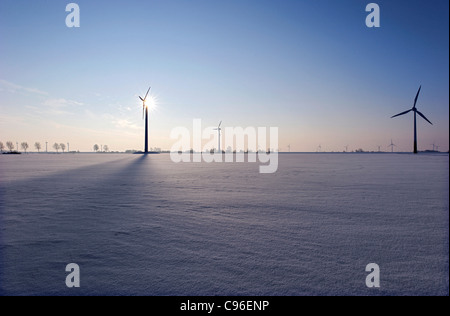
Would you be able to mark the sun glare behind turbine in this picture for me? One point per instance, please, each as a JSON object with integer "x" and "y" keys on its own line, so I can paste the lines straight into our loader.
{"x": 151, "y": 103}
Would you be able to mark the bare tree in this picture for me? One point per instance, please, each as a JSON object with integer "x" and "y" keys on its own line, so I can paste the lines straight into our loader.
{"x": 24, "y": 146}
{"x": 10, "y": 146}
{"x": 96, "y": 148}
{"x": 105, "y": 148}
{"x": 2, "y": 146}
{"x": 56, "y": 146}
{"x": 63, "y": 146}
{"x": 38, "y": 147}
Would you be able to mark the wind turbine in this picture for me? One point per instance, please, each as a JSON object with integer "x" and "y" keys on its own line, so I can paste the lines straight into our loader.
{"x": 414, "y": 109}
{"x": 392, "y": 145}
{"x": 218, "y": 129}
{"x": 145, "y": 110}
{"x": 435, "y": 147}
{"x": 289, "y": 147}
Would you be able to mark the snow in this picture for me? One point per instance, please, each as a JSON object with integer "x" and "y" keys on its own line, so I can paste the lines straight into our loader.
{"x": 143, "y": 225}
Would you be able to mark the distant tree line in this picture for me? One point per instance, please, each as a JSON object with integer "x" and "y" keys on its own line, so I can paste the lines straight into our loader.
{"x": 24, "y": 145}
{"x": 37, "y": 145}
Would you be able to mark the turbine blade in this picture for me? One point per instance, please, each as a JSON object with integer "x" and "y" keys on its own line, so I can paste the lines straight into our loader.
{"x": 220, "y": 123}
{"x": 141, "y": 99}
{"x": 417, "y": 96}
{"x": 423, "y": 116}
{"x": 403, "y": 113}
{"x": 147, "y": 93}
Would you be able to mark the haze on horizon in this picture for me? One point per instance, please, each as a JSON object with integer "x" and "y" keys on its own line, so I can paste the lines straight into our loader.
{"x": 311, "y": 68}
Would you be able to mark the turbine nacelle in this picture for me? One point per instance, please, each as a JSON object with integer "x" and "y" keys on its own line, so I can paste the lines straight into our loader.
{"x": 414, "y": 109}
{"x": 143, "y": 101}
{"x": 218, "y": 127}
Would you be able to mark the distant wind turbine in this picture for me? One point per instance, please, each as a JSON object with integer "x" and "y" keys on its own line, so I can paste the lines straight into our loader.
{"x": 145, "y": 110}
{"x": 289, "y": 147}
{"x": 414, "y": 109}
{"x": 218, "y": 129}
{"x": 392, "y": 145}
{"x": 435, "y": 147}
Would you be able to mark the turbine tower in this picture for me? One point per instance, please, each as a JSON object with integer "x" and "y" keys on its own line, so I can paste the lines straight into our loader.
{"x": 145, "y": 110}
{"x": 414, "y": 109}
{"x": 218, "y": 129}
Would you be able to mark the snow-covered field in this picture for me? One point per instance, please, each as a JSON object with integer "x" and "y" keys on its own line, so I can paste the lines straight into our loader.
{"x": 144, "y": 225}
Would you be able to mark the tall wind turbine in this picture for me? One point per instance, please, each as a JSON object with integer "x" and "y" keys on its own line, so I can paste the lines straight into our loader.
{"x": 392, "y": 145}
{"x": 145, "y": 110}
{"x": 218, "y": 129}
{"x": 414, "y": 109}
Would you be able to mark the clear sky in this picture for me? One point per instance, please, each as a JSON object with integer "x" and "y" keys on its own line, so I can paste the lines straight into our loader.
{"x": 310, "y": 67}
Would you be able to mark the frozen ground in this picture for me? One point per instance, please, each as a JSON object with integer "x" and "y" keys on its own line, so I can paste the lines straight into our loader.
{"x": 144, "y": 225}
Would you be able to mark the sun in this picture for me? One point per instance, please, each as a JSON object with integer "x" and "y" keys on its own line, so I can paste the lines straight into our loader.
{"x": 151, "y": 103}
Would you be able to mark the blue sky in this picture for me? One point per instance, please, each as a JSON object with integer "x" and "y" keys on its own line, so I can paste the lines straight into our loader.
{"x": 311, "y": 68}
